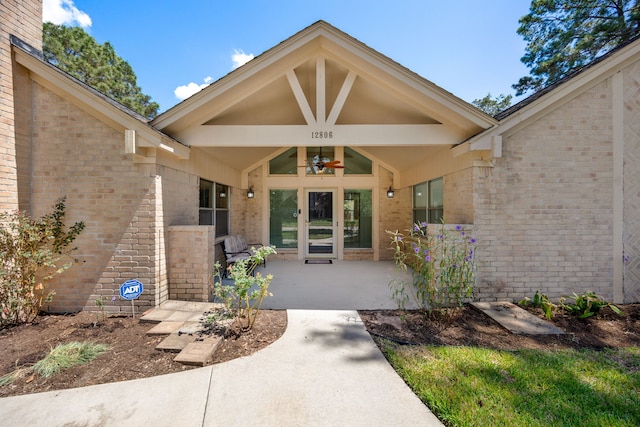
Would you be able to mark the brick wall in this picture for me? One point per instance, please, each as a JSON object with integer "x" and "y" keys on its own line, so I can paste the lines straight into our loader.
{"x": 458, "y": 197}
{"x": 247, "y": 214}
{"x": 395, "y": 214}
{"x": 192, "y": 259}
{"x": 76, "y": 155}
{"x": 543, "y": 216}
{"x": 22, "y": 18}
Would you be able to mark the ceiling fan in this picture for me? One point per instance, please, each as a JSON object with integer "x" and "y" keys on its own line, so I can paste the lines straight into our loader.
{"x": 320, "y": 163}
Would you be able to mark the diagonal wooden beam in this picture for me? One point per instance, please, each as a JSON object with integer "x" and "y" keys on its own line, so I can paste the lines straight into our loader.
{"x": 300, "y": 98}
{"x": 342, "y": 98}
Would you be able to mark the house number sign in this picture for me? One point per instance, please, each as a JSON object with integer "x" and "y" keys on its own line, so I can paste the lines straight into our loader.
{"x": 321, "y": 134}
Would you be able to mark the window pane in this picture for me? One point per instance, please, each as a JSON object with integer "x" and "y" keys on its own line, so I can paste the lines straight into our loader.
{"x": 435, "y": 216}
{"x": 420, "y": 195}
{"x": 436, "y": 197}
{"x": 358, "y": 225}
{"x": 206, "y": 192}
{"x": 222, "y": 196}
{"x": 419, "y": 216}
{"x": 222, "y": 222}
{"x": 206, "y": 217}
{"x": 285, "y": 164}
{"x": 316, "y": 157}
{"x": 283, "y": 218}
{"x": 355, "y": 163}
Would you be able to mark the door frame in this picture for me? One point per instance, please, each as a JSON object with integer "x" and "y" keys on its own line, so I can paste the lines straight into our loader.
{"x": 334, "y": 218}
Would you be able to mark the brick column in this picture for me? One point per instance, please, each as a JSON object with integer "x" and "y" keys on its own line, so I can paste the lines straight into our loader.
{"x": 22, "y": 18}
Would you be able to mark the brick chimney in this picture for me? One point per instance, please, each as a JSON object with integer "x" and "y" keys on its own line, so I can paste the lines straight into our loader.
{"x": 23, "y": 19}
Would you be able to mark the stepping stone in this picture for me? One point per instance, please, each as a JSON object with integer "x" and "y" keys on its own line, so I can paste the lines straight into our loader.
{"x": 190, "y": 328}
{"x": 156, "y": 315}
{"x": 175, "y": 343}
{"x": 165, "y": 328}
{"x": 517, "y": 320}
{"x": 198, "y": 353}
{"x": 184, "y": 316}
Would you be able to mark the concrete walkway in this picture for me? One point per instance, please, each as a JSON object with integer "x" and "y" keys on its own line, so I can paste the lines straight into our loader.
{"x": 324, "y": 371}
{"x": 341, "y": 285}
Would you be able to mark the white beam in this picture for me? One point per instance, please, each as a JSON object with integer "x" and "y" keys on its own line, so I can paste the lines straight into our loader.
{"x": 321, "y": 92}
{"x": 300, "y": 98}
{"x": 342, "y": 98}
{"x": 339, "y": 135}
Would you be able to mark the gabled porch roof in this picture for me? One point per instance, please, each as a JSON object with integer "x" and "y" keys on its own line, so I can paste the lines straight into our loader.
{"x": 323, "y": 80}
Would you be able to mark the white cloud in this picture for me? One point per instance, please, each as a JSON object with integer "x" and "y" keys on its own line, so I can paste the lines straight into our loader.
{"x": 240, "y": 58}
{"x": 185, "y": 91}
{"x": 64, "y": 12}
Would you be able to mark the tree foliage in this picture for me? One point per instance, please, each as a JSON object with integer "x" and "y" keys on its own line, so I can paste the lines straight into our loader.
{"x": 32, "y": 252}
{"x": 565, "y": 35}
{"x": 77, "y": 53}
{"x": 491, "y": 105}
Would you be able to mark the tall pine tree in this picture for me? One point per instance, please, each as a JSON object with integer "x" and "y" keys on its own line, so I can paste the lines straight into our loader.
{"x": 76, "y": 52}
{"x": 564, "y": 35}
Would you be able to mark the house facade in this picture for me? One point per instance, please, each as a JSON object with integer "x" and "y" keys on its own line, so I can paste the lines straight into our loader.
{"x": 319, "y": 146}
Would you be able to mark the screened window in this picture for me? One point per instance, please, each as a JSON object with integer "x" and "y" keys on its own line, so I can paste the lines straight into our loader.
{"x": 358, "y": 224}
{"x": 283, "y": 218}
{"x": 214, "y": 206}
{"x": 355, "y": 163}
{"x": 428, "y": 201}
{"x": 285, "y": 164}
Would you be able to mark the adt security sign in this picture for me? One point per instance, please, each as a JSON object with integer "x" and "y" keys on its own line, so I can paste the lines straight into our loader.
{"x": 131, "y": 289}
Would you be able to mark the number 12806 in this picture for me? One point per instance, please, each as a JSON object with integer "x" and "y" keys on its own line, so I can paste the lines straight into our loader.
{"x": 321, "y": 135}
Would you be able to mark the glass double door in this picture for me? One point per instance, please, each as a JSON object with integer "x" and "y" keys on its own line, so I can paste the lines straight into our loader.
{"x": 320, "y": 224}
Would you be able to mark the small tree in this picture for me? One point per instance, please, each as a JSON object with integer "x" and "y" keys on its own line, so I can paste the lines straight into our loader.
{"x": 30, "y": 255}
{"x": 243, "y": 298}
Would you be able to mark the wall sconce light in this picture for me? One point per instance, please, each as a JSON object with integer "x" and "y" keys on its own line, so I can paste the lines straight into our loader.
{"x": 250, "y": 193}
{"x": 222, "y": 194}
{"x": 390, "y": 193}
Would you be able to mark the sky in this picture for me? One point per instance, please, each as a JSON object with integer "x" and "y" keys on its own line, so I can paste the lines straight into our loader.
{"x": 467, "y": 47}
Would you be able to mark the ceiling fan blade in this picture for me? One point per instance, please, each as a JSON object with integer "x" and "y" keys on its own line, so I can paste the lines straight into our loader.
{"x": 333, "y": 164}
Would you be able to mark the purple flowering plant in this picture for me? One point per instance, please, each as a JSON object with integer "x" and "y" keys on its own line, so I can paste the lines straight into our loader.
{"x": 441, "y": 262}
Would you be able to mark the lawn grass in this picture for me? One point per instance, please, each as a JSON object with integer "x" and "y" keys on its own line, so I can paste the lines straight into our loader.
{"x": 468, "y": 386}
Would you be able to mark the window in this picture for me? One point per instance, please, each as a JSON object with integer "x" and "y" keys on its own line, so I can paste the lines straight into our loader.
{"x": 355, "y": 163}
{"x": 285, "y": 164}
{"x": 283, "y": 218}
{"x": 436, "y": 201}
{"x": 358, "y": 225}
{"x": 316, "y": 158}
{"x": 214, "y": 206}
{"x": 428, "y": 201}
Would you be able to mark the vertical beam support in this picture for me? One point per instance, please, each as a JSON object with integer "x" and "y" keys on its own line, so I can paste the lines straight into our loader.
{"x": 618, "y": 189}
{"x": 321, "y": 91}
{"x": 130, "y": 141}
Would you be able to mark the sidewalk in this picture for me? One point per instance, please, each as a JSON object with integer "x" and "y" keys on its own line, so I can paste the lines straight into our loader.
{"x": 324, "y": 371}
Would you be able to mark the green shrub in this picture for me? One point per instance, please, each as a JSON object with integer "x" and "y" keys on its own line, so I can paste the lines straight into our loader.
{"x": 31, "y": 254}
{"x": 244, "y": 297}
{"x": 540, "y": 301}
{"x": 442, "y": 267}
{"x": 587, "y": 305}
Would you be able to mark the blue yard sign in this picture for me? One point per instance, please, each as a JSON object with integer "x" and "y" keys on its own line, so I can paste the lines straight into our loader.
{"x": 131, "y": 289}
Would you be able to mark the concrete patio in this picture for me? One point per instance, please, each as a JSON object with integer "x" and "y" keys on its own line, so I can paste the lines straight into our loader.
{"x": 341, "y": 285}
